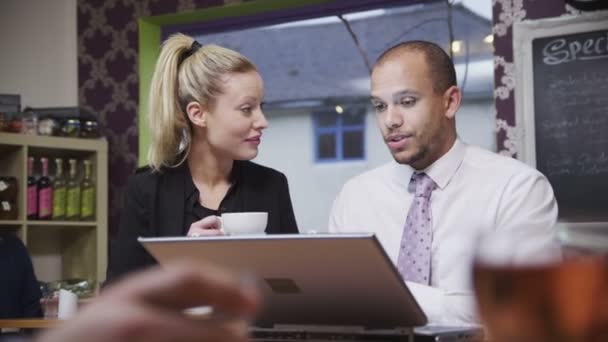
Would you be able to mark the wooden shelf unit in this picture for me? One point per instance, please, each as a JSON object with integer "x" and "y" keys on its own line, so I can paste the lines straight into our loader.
{"x": 59, "y": 249}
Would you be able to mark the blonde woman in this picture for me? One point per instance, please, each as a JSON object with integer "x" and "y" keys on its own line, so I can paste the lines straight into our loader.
{"x": 206, "y": 124}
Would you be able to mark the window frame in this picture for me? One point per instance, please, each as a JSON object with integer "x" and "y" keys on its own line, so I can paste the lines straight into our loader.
{"x": 338, "y": 130}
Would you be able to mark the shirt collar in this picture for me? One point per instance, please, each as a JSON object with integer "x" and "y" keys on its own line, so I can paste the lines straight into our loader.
{"x": 190, "y": 190}
{"x": 444, "y": 168}
{"x": 441, "y": 171}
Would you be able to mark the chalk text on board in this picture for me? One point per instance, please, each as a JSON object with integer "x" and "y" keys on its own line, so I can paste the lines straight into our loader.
{"x": 563, "y": 50}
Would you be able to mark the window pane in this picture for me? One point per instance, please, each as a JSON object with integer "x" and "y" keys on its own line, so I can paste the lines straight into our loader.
{"x": 326, "y": 146}
{"x": 353, "y": 117}
{"x": 327, "y": 119}
{"x": 353, "y": 145}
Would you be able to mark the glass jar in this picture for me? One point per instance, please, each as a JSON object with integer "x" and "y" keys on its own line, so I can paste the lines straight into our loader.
{"x": 48, "y": 126}
{"x": 3, "y": 122}
{"x": 71, "y": 128}
{"x": 90, "y": 129}
{"x": 29, "y": 123}
{"x": 15, "y": 125}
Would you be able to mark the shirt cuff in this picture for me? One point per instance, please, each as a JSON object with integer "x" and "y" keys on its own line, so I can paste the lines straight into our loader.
{"x": 445, "y": 307}
{"x": 429, "y": 299}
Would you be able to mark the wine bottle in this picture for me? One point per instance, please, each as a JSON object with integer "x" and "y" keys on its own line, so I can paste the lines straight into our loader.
{"x": 72, "y": 211}
{"x": 87, "y": 202}
{"x": 59, "y": 191}
{"x": 32, "y": 191}
{"x": 45, "y": 192}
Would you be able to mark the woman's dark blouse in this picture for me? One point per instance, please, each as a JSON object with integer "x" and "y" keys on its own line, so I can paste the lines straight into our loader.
{"x": 165, "y": 203}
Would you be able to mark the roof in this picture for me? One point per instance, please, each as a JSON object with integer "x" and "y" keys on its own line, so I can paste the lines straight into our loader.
{"x": 317, "y": 59}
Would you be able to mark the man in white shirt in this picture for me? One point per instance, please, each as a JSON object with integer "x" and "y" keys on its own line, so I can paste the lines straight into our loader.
{"x": 428, "y": 205}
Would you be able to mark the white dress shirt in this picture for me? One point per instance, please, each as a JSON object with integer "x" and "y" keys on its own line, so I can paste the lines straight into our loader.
{"x": 477, "y": 191}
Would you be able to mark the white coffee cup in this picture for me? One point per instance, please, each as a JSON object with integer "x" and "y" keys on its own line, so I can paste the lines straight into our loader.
{"x": 244, "y": 223}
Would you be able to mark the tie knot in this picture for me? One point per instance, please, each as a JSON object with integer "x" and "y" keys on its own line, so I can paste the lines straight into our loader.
{"x": 421, "y": 184}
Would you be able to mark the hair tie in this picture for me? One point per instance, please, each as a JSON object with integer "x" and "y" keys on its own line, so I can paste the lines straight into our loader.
{"x": 193, "y": 48}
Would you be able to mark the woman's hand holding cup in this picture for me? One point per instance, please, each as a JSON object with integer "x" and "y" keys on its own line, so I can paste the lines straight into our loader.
{"x": 208, "y": 226}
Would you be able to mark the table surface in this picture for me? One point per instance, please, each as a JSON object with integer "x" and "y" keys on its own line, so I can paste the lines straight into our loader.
{"x": 29, "y": 323}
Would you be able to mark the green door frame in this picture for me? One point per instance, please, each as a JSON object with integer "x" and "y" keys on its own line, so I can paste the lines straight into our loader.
{"x": 150, "y": 29}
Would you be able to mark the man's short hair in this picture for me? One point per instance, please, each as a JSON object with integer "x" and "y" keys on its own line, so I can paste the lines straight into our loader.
{"x": 440, "y": 65}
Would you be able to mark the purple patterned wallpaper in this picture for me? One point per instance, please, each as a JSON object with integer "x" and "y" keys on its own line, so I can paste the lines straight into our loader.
{"x": 505, "y": 13}
{"x": 108, "y": 80}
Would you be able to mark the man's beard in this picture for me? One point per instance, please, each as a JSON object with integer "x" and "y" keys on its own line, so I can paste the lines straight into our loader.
{"x": 421, "y": 154}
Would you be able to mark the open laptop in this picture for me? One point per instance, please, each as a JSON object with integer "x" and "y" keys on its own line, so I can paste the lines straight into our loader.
{"x": 319, "y": 287}
{"x": 310, "y": 282}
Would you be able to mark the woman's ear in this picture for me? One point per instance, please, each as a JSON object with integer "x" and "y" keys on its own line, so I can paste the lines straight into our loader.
{"x": 197, "y": 113}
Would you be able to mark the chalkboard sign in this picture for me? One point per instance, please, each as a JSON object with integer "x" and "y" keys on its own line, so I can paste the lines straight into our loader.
{"x": 562, "y": 106}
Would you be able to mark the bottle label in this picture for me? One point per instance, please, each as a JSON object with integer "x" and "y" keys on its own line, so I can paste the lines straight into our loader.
{"x": 59, "y": 203}
{"x": 3, "y": 186}
{"x": 73, "y": 203}
{"x": 88, "y": 203}
{"x": 45, "y": 203}
{"x": 32, "y": 200}
{"x": 6, "y": 206}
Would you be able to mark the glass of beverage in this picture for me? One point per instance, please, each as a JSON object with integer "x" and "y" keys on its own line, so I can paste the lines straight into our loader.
{"x": 527, "y": 291}
{"x": 49, "y": 301}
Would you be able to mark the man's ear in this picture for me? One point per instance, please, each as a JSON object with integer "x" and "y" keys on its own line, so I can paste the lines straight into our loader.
{"x": 452, "y": 98}
{"x": 197, "y": 113}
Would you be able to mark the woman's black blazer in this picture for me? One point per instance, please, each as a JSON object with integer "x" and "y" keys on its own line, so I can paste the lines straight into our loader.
{"x": 154, "y": 206}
